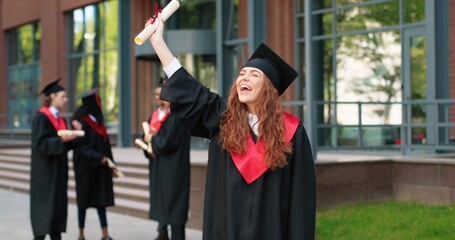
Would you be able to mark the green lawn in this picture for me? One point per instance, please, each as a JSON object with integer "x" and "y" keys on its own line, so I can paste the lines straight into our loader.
{"x": 389, "y": 220}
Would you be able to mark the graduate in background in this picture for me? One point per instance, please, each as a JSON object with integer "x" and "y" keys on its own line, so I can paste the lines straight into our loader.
{"x": 260, "y": 173}
{"x": 94, "y": 185}
{"x": 169, "y": 165}
{"x": 49, "y": 165}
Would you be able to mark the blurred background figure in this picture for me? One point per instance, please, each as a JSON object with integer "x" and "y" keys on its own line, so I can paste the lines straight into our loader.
{"x": 49, "y": 165}
{"x": 94, "y": 185}
{"x": 169, "y": 167}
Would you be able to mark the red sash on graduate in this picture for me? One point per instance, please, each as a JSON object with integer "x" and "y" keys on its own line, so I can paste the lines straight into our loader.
{"x": 251, "y": 164}
{"x": 155, "y": 123}
{"x": 59, "y": 124}
{"x": 99, "y": 128}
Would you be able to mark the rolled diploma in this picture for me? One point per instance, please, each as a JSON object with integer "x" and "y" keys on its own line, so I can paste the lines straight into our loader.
{"x": 111, "y": 164}
{"x": 141, "y": 144}
{"x": 79, "y": 133}
{"x": 146, "y": 128}
{"x": 151, "y": 28}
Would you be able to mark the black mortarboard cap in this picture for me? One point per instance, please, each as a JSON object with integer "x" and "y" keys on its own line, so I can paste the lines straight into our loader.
{"x": 91, "y": 98}
{"x": 51, "y": 88}
{"x": 91, "y": 104}
{"x": 279, "y": 72}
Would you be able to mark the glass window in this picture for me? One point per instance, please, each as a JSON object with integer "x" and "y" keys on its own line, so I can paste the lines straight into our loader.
{"x": 193, "y": 14}
{"x": 369, "y": 64}
{"x": 23, "y": 74}
{"x": 357, "y": 61}
{"x": 414, "y": 11}
{"x": 349, "y": 2}
{"x": 93, "y": 60}
{"x": 202, "y": 68}
{"x": 368, "y": 17}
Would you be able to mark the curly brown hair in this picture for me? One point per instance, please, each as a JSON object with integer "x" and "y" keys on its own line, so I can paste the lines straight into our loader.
{"x": 234, "y": 126}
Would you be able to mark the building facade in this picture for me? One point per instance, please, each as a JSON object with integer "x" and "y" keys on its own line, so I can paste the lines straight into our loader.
{"x": 373, "y": 74}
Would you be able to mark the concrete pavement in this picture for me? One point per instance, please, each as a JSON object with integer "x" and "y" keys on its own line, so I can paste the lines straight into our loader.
{"x": 15, "y": 222}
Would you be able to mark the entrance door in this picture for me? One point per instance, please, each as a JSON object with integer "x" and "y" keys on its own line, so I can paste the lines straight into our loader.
{"x": 416, "y": 90}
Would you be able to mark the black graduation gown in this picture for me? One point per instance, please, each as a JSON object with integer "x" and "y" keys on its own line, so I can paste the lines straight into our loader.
{"x": 94, "y": 186}
{"x": 170, "y": 174}
{"x": 280, "y": 204}
{"x": 48, "y": 178}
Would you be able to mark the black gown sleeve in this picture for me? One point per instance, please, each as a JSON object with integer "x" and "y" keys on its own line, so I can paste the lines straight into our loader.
{"x": 192, "y": 104}
{"x": 168, "y": 139}
{"x": 45, "y": 138}
{"x": 303, "y": 198}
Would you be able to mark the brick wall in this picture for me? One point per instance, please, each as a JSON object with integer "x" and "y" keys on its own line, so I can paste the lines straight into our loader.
{"x": 280, "y": 33}
{"x": 429, "y": 181}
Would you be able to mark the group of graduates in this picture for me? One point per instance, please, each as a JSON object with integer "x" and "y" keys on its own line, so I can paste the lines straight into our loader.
{"x": 169, "y": 166}
{"x": 260, "y": 181}
{"x": 49, "y": 164}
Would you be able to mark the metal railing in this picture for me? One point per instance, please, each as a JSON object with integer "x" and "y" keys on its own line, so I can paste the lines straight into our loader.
{"x": 436, "y": 125}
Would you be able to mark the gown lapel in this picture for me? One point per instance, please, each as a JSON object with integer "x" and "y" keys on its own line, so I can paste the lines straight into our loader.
{"x": 251, "y": 164}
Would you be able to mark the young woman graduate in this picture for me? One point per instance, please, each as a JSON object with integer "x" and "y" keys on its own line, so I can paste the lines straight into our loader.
{"x": 260, "y": 180}
{"x": 169, "y": 168}
{"x": 94, "y": 185}
{"x": 49, "y": 165}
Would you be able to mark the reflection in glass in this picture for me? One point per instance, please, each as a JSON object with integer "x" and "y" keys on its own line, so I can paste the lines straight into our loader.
{"x": 347, "y": 2}
{"x": 414, "y": 11}
{"x": 108, "y": 75}
{"x": 109, "y": 13}
{"x": 418, "y": 87}
{"x": 301, "y": 29}
{"x": 381, "y": 135}
{"x": 347, "y": 136}
{"x": 323, "y": 23}
{"x": 23, "y": 72}
{"x": 369, "y": 64}
{"x": 194, "y": 14}
{"x": 202, "y": 67}
{"x": 320, "y": 4}
{"x": 368, "y": 17}
{"x": 94, "y": 58}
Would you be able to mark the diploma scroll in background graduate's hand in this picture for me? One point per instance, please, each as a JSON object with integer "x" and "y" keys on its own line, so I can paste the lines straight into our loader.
{"x": 115, "y": 170}
{"x": 79, "y": 133}
{"x": 150, "y": 29}
{"x": 141, "y": 143}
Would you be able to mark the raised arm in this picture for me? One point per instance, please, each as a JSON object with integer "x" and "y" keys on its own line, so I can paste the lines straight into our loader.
{"x": 192, "y": 104}
{"x": 156, "y": 39}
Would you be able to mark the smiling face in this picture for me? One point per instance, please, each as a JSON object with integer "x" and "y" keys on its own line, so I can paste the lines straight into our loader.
{"x": 249, "y": 86}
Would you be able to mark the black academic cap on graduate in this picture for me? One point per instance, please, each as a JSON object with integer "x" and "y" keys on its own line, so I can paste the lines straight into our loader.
{"x": 51, "y": 88}
{"x": 280, "y": 73}
{"x": 91, "y": 98}
{"x": 91, "y": 104}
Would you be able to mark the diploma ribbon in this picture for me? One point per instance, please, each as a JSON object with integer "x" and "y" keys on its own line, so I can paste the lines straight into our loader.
{"x": 155, "y": 14}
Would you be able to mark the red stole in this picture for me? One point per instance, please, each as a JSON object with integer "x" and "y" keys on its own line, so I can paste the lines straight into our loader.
{"x": 58, "y": 124}
{"x": 155, "y": 123}
{"x": 99, "y": 128}
{"x": 251, "y": 164}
